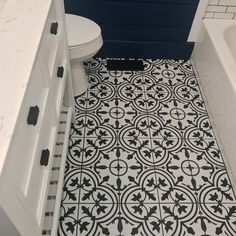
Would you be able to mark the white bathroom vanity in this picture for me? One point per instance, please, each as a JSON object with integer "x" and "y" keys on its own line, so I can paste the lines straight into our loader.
{"x": 35, "y": 78}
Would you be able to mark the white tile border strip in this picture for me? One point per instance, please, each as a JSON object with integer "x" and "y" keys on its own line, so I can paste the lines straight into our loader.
{"x": 57, "y": 208}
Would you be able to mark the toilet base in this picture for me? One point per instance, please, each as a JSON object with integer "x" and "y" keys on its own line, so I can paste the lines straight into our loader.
{"x": 79, "y": 77}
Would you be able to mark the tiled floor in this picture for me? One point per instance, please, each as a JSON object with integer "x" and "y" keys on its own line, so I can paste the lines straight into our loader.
{"x": 143, "y": 159}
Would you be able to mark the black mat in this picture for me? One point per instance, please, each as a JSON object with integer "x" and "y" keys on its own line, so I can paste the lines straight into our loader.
{"x": 133, "y": 65}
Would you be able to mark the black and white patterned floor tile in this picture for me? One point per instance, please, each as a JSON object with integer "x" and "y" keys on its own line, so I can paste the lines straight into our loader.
{"x": 143, "y": 159}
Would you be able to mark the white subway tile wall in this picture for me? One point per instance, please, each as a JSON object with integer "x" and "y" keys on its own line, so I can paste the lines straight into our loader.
{"x": 221, "y": 9}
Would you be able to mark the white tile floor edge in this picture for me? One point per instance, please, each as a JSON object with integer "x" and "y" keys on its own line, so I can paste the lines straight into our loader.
{"x": 57, "y": 177}
{"x": 218, "y": 137}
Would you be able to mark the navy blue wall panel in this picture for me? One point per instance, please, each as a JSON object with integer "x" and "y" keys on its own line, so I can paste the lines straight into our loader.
{"x": 160, "y": 1}
{"x": 138, "y": 28}
{"x": 144, "y": 49}
{"x": 144, "y": 33}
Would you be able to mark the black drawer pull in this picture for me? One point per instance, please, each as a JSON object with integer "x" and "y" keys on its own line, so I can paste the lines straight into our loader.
{"x": 44, "y": 157}
{"x": 60, "y": 71}
{"x": 33, "y": 115}
{"x": 54, "y": 28}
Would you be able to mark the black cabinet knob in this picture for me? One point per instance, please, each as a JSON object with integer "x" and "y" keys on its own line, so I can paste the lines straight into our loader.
{"x": 60, "y": 71}
{"x": 33, "y": 115}
{"x": 54, "y": 28}
{"x": 44, "y": 157}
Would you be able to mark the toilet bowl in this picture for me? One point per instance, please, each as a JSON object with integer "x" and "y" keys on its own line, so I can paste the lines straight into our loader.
{"x": 84, "y": 41}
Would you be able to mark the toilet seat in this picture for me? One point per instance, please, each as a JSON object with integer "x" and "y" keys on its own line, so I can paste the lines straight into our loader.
{"x": 81, "y": 31}
{"x": 87, "y": 50}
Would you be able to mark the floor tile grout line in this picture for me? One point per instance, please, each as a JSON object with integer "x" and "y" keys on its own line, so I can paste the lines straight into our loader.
{"x": 79, "y": 196}
{"x": 147, "y": 111}
{"x": 157, "y": 192}
{"x": 119, "y": 194}
{"x": 94, "y": 137}
{"x": 152, "y": 203}
{"x": 144, "y": 91}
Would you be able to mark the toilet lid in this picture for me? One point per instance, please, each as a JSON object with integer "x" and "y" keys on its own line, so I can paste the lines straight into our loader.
{"x": 81, "y": 30}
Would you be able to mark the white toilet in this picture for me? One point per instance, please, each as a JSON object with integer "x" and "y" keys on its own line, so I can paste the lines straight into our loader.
{"x": 85, "y": 40}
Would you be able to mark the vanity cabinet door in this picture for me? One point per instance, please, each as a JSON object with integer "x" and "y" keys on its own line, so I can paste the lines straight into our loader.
{"x": 58, "y": 80}
{"x": 25, "y": 178}
{"x": 50, "y": 39}
{"x": 41, "y": 169}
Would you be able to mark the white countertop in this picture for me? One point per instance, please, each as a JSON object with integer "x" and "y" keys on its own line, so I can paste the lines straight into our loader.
{"x": 21, "y": 26}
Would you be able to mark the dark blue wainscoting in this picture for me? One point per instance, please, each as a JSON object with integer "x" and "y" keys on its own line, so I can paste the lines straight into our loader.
{"x": 140, "y": 28}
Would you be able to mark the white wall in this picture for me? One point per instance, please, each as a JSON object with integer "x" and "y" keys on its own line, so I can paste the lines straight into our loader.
{"x": 221, "y": 9}
{"x": 197, "y": 22}
{"x": 214, "y": 9}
